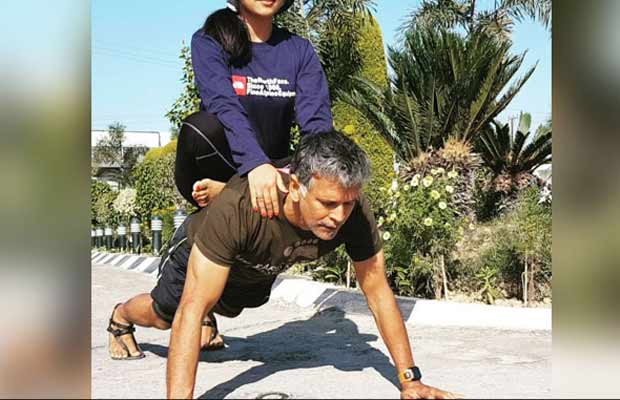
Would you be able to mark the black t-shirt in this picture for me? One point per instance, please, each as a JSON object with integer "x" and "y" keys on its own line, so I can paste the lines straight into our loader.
{"x": 230, "y": 233}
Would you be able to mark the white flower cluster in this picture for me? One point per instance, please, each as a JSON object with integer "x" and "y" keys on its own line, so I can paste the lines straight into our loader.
{"x": 545, "y": 195}
{"x": 125, "y": 203}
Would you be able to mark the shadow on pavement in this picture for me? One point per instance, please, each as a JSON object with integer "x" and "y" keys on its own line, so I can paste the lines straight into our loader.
{"x": 327, "y": 338}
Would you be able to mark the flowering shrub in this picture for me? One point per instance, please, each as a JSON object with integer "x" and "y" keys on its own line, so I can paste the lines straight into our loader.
{"x": 420, "y": 226}
{"x": 125, "y": 203}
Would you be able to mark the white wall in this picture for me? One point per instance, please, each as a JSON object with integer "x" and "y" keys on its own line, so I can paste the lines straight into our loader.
{"x": 133, "y": 138}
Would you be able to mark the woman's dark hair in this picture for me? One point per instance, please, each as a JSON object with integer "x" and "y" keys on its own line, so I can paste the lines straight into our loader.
{"x": 230, "y": 31}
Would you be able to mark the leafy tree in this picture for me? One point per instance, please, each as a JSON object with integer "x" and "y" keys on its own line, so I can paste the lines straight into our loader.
{"x": 188, "y": 101}
{"x": 110, "y": 153}
{"x": 445, "y": 86}
{"x": 497, "y": 22}
{"x": 174, "y": 132}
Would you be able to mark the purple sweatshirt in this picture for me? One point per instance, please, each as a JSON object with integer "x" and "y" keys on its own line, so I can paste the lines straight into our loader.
{"x": 256, "y": 104}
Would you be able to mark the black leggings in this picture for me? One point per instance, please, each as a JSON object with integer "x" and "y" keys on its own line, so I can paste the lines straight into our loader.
{"x": 203, "y": 152}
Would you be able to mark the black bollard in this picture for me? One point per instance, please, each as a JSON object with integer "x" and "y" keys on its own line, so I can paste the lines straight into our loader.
{"x": 157, "y": 224}
{"x": 135, "y": 235}
{"x": 99, "y": 234}
{"x": 122, "y": 237}
{"x": 179, "y": 217}
{"x": 108, "y": 237}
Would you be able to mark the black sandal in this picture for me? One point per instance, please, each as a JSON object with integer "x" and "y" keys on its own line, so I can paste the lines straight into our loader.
{"x": 117, "y": 330}
{"x": 213, "y": 324}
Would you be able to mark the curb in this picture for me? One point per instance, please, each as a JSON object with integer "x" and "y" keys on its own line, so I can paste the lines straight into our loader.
{"x": 318, "y": 295}
{"x": 131, "y": 262}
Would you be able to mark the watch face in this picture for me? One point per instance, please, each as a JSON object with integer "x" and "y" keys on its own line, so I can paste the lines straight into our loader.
{"x": 408, "y": 375}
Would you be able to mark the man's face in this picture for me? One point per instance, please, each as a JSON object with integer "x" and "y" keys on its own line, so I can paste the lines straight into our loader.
{"x": 263, "y": 8}
{"x": 326, "y": 206}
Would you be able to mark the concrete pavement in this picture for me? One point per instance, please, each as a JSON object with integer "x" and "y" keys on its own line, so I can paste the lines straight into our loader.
{"x": 285, "y": 348}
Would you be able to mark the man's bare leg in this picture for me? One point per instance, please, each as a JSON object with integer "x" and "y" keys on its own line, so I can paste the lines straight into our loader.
{"x": 139, "y": 311}
{"x": 136, "y": 311}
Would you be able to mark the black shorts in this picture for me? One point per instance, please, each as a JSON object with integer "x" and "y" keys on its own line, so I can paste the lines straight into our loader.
{"x": 172, "y": 270}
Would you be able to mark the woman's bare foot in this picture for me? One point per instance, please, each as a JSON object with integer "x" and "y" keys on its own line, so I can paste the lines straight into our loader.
{"x": 204, "y": 191}
{"x": 122, "y": 343}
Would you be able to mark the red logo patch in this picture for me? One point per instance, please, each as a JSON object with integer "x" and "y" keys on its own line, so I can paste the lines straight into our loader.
{"x": 240, "y": 84}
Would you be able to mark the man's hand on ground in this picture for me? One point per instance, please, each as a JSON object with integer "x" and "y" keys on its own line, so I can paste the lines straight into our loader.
{"x": 418, "y": 390}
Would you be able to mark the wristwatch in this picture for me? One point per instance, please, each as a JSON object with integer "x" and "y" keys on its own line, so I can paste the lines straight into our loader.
{"x": 410, "y": 375}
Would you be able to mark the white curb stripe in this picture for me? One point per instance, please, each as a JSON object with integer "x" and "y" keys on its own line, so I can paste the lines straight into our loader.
{"x": 99, "y": 258}
{"x": 128, "y": 262}
{"x": 112, "y": 260}
{"x": 119, "y": 259}
{"x": 107, "y": 258}
{"x": 144, "y": 264}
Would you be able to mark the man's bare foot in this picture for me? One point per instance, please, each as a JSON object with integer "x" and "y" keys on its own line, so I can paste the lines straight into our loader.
{"x": 210, "y": 338}
{"x": 122, "y": 343}
{"x": 204, "y": 191}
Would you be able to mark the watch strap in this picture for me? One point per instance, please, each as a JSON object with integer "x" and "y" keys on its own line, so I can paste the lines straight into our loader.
{"x": 410, "y": 375}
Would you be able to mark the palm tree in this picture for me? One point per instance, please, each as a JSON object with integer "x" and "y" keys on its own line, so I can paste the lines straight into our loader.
{"x": 497, "y": 22}
{"x": 333, "y": 27}
{"x": 512, "y": 156}
{"x": 444, "y": 86}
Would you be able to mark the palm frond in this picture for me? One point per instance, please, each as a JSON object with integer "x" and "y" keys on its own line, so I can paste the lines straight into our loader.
{"x": 509, "y": 152}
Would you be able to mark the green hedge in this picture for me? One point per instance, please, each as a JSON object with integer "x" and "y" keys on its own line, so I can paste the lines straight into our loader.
{"x": 347, "y": 119}
{"x": 155, "y": 188}
{"x": 98, "y": 190}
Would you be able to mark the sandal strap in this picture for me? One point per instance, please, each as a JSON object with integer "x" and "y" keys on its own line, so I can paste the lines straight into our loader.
{"x": 121, "y": 326}
{"x": 212, "y": 323}
{"x": 120, "y": 331}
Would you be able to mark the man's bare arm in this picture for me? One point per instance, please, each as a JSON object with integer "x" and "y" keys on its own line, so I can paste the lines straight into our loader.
{"x": 371, "y": 275}
{"x": 204, "y": 285}
{"x": 382, "y": 303}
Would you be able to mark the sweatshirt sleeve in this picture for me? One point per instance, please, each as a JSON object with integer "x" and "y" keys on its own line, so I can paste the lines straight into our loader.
{"x": 213, "y": 79}
{"x": 312, "y": 102}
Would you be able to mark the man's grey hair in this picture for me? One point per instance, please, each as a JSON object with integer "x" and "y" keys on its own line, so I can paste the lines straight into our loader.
{"x": 330, "y": 155}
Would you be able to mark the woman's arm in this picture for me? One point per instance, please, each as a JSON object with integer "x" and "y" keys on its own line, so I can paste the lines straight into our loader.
{"x": 214, "y": 83}
{"x": 213, "y": 78}
{"x": 312, "y": 102}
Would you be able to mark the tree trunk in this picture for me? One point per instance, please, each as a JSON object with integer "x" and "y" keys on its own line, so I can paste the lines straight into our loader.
{"x": 348, "y": 273}
{"x": 525, "y": 281}
{"x": 531, "y": 288}
{"x": 437, "y": 280}
{"x": 443, "y": 276}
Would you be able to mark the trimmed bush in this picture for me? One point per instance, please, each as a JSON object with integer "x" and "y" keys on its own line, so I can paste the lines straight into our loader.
{"x": 349, "y": 120}
{"x": 104, "y": 209}
{"x": 97, "y": 190}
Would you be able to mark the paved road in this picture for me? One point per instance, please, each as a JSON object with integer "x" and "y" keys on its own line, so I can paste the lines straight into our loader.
{"x": 281, "y": 348}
